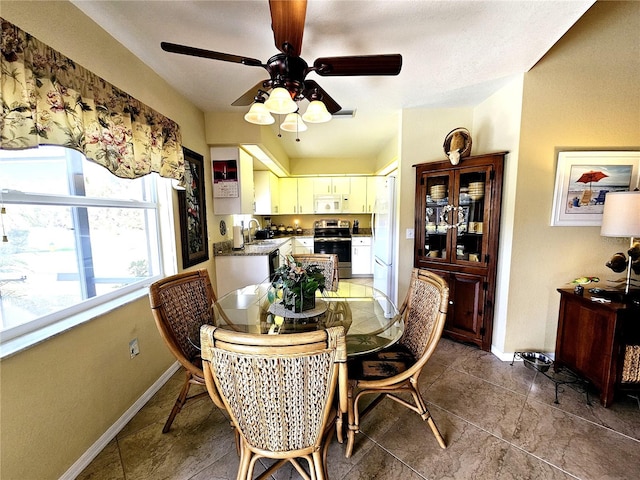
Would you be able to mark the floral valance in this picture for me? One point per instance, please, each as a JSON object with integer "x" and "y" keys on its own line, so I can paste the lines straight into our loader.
{"x": 47, "y": 99}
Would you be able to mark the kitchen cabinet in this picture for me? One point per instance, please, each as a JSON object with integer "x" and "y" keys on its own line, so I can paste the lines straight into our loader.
{"x": 266, "y": 192}
{"x": 592, "y": 340}
{"x": 236, "y": 271}
{"x": 233, "y": 190}
{"x": 302, "y": 245}
{"x": 358, "y": 197}
{"x": 372, "y": 183}
{"x": 331, "y": 185}
{"x": 457, "y": 221}
{"x": 361, "y": 256}
{"x": 296, "y": 196}
{"x": 362, "y": 195}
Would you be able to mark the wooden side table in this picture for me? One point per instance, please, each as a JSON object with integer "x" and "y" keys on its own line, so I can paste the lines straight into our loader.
{"x": 592, "y": 338}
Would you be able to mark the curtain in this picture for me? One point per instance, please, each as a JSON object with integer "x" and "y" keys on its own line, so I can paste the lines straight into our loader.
{"x": 47, "y": 99}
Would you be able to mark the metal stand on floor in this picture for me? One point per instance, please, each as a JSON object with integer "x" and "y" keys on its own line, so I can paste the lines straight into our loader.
{"x": 560, "y": 377}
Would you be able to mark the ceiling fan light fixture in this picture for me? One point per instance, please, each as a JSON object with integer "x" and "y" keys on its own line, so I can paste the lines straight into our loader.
{"x": 259, "y": 115}
{"x": 280, "y": 101}
{"x": 316, "y": 113}
{"x": 293, "y": 123}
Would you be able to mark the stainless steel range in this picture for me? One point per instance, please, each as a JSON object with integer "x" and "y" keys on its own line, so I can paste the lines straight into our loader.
{"x": 334, "y": 236}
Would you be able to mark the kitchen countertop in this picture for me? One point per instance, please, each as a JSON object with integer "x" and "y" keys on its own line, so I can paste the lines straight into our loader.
{"x": 258, "y": 247}
{"x": 265, "y": 247}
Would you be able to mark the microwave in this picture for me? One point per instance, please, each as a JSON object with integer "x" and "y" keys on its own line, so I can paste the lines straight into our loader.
{"x": 327, "y": 204}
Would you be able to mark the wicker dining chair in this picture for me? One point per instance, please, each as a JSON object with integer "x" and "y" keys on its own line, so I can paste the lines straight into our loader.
{"x": 278, "y": 390}
{"x": 181, "y": 304}
{"x": 396, "y": 369}
{"x": 328, "y": 262}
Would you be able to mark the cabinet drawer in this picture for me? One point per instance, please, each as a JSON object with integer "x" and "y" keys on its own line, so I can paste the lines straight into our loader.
{"x": 360, "y": 241}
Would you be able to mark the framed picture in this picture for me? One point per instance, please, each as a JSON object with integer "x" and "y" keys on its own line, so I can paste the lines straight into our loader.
{"x": 583, "y": 179}
{"x": 193, "y": 215}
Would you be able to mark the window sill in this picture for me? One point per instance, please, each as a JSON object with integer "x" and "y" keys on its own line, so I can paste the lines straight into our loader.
{"x": 19, "y": 344}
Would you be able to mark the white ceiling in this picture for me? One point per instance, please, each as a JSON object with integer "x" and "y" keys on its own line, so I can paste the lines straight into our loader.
{"x": 455, "y": 53}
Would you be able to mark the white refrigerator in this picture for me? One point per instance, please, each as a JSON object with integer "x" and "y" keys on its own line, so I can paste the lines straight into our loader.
{"x": 383, "y": 226}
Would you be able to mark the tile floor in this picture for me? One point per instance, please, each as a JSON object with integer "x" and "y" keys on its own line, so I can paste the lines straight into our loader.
{"x": 499, "y": 422}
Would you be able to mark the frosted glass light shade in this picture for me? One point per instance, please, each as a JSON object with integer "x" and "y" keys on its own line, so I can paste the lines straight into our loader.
{"x": 293, "y": 123}
{"x": 621, "y": 215}
{"x": 259, "y": 115}
{"x": 316, "y": 113}
{"x": 280, "y": 101}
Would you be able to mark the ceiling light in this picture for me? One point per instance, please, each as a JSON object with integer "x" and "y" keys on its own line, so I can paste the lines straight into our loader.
{"x": 316, "y": 113}
{"x": 293, "y": 123}
{"x": 259, "y": 114}
{"x": 280, "y": 101}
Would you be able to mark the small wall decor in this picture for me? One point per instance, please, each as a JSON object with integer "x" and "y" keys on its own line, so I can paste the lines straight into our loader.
{"x": 583, "y": 179}
{"x": 193, "y": 215}
{"x": 457, "y": 145}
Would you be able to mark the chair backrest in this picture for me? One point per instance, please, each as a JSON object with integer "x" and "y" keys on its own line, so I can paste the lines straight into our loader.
{"x": 278, "y": 389}
{"x": 424, "y": 312}
{"x": 328, "y": 262}
{"x": 181, "y": 304}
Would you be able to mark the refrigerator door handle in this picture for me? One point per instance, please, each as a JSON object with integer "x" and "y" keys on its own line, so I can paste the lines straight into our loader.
{"x": 373, "y": 225}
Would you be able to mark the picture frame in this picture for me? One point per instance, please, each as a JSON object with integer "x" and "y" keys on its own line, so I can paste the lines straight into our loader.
{"x": 193, "y": 213}
{"x": 583, "y": 178}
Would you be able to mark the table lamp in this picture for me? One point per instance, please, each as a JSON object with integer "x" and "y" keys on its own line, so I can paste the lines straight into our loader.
{"x": 621, "y": 218}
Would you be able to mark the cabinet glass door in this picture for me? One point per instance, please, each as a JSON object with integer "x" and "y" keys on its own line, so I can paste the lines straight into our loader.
{"x": 470, "y": 217}
{"x": 438, "y": 191}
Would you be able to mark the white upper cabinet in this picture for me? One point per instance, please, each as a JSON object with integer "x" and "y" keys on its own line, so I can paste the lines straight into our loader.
{"x": 267, "y": 195}
{"x": 305, "y": 195}
{"x": 371, "y": 193}
{"x": 358, "y": 197}
{"x": 331, "y": 185}
{"x": 288, "y": 196}
{"x": 296, "y": 196}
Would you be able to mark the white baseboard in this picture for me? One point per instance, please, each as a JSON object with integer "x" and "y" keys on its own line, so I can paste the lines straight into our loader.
{"x": 111, "y": 433}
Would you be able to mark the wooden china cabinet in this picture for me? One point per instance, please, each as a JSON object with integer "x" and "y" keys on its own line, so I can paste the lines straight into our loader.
{"x": 456, "y": 236}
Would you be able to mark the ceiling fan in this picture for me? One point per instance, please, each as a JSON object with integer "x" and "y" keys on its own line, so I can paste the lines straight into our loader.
{"x": 288, "y": 70}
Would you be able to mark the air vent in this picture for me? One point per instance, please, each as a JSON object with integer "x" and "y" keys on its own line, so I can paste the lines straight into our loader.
{"x": 344, "y": 113}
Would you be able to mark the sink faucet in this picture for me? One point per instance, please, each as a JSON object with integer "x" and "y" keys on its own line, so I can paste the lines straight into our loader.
{"x": 249, "y": 228}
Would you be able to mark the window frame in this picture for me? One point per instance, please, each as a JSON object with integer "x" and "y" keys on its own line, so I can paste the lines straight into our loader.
{"x": 20, "y": 337}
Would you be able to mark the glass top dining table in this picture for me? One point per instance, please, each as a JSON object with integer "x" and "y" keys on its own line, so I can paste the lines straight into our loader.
{"x": 370, "y": 319}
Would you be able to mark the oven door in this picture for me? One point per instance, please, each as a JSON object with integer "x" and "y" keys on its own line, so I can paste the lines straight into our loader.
{"x": 338, "y": 246}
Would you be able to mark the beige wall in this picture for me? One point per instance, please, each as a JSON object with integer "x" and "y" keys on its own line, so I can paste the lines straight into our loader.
{"x": 422, "y": 133}
{"x": 583, "y": 94}
{"x": 59, "y": 397}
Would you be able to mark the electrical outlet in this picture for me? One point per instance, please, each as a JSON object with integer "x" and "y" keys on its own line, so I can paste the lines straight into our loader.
{"x": 410, "y": 233}
{"x": 134, "y": 348}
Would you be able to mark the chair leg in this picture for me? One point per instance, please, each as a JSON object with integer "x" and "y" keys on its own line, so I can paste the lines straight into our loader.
{"x": 319, "y": 466}
{"x": 353, "y": 428}
{"x": 425, "y": 414}
{"x": 179, "y": 403}
{"x": 246, "y": 466}
{"x": 339, "y": 434}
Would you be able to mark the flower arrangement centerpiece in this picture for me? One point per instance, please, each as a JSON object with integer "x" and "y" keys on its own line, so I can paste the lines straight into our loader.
{"x": 297, "y": 284}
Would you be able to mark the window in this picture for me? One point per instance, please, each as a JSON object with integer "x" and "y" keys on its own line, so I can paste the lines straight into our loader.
{"x": 78, "y": 236}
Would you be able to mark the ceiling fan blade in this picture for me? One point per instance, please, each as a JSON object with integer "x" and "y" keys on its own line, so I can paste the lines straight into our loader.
{"x": 248, "y": 97}
{"x": 199, "y": 52}
{"x": 359, "y": 65}
{"x": 310, "y": 86}
{"x": 287, "y": 23}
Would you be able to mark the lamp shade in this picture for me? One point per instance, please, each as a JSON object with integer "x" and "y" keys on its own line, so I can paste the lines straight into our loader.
{"x": 316, "y": 113}
{"x": 621, "y": 215}
{"x": 259, "y": 115}
{"x": 280, "y": 101}
{"x": 293, "y": 123}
